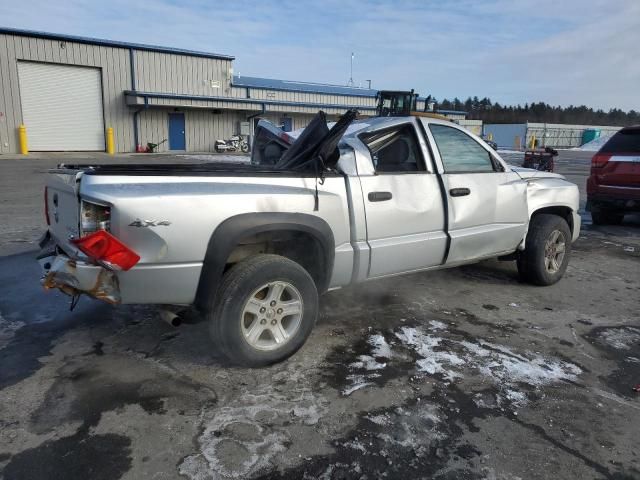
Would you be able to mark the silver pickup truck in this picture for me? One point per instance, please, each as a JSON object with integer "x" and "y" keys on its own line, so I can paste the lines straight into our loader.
{"x": 253, "y": 245}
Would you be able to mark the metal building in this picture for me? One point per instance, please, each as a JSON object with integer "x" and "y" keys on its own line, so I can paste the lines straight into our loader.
{"x": 68, "y": 90}
{"x": 521, "y": 135}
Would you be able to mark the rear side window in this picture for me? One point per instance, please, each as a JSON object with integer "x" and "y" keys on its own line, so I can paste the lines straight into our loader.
{"x": 395, "y": 149}
{"x": 625, "y": 141}
{"x": 459, "y": 152}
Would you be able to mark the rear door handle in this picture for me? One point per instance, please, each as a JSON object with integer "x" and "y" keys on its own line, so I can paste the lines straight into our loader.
{"x": 459, "y": 192}
{"x": 379, "y": 196}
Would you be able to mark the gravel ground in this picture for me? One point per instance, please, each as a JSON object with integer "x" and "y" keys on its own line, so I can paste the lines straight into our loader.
{"x": 457, "y": 374}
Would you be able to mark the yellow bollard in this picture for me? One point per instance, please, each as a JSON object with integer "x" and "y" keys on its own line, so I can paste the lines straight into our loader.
{"x": 533, "y": 141}
{"x": 111, "y": 146}
{"x": 22, "y": 137}
{"x": 490, "y": 137}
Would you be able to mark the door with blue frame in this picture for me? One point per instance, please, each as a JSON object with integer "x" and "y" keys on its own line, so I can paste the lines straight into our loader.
{"x": 177, "y": 139}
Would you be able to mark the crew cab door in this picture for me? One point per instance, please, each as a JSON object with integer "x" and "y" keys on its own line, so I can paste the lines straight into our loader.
{"x": 403, "y": 203}
{"x": 487, "y": 203}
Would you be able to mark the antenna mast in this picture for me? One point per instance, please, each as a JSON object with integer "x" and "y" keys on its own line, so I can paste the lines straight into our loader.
{"x": 350, "y": 83}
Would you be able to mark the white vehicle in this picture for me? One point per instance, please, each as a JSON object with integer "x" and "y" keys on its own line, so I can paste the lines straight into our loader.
{"x": 253, "y": 246}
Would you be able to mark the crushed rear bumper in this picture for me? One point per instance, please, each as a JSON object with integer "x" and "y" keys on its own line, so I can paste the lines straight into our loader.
{"x": 74, "y": 277}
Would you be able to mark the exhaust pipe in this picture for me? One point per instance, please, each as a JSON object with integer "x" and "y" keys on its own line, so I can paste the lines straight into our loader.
{"x": 172, "y": 318}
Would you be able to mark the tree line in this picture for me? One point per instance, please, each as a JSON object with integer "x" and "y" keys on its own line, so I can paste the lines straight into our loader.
{"x": 489, "y": 112}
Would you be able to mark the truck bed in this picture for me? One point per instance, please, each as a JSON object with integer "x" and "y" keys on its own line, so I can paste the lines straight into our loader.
{"x": 184, "y": 169}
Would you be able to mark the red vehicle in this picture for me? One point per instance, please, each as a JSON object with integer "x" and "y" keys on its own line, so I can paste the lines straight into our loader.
{"x": 613, "y": 188}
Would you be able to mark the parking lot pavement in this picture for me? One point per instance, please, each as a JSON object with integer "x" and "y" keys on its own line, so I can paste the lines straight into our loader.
{"x": 457, "y": 374}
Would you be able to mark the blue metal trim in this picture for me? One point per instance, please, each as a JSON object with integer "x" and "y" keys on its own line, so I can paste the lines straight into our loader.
{"x": 136, "y": 134}
{"x": 178, "y": 96}
{"x": 132, "y": 67}
{"x": 270, "y": 84}
{"x": 112, "y": 43}
{"x": 304, "y": 87}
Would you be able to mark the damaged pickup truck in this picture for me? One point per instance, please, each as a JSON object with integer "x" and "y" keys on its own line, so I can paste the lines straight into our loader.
{"x": 254, "y": 245}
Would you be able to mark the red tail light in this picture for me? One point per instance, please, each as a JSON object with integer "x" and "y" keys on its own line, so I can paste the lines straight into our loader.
{"x": 46, "y": 205}
{"x": 107, "y": 250}
{"x": 599, "y": 160}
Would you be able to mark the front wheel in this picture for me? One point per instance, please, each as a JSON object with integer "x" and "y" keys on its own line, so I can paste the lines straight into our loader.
{"x": 547, "y": 250}
{"x": 265, "y": 310}
{"x": 244, "y": 147}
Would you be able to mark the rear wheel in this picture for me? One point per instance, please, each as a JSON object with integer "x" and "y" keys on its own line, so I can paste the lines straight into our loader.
{"x": 547, "y": 251}
{"x": 601, "y": 216}
{"x": 267, "y": 306}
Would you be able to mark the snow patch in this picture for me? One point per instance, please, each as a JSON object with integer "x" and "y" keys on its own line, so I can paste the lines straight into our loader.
{"x": 381, "y": 348}
{"x": 240, "y": 441}
{"x": 437, "y": 354}
{"x": 507, "y": 368}
{"x": 224, "y": 158}
{"x": 436, "y": 325}
{"x": 379, "y": 419}
{"x": 594, "y": 145}
{"x": 621, "y": 338}
{"x": 356, "y": 382}
{"x": 367, "y": 362}
{"x": 432, "y": 361}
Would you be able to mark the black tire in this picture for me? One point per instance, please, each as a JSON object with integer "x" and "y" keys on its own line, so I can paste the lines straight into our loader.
{"x": 226, "y": 314}
{"x": 601, "y": 216}
{"x": 244, "y": 147}
{"x": 218, "y": 149}
{"x": 532, "y": 262}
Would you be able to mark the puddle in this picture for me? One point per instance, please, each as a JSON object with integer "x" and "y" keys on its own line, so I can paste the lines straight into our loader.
{"x": 620, "y": 344}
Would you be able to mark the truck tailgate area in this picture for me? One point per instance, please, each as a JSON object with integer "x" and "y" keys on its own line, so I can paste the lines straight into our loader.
{"x": 63, "y": 206}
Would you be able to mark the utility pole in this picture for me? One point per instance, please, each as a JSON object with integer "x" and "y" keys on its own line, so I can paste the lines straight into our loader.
{"x": 350, "y": 84}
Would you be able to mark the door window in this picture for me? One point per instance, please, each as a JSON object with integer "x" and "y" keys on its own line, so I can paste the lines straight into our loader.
{"x": 395, "y": 150}
{"x": 459, "y": 152}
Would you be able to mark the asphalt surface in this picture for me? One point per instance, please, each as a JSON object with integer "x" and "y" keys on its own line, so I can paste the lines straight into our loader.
{"x": 456, "y": 374}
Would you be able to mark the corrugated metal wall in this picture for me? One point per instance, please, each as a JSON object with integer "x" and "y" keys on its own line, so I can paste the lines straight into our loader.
{"x": 546, "y": 134}
{"x": 560, "y": 135}
{"x": 504, "y": 134}
{"x": 156, "y": 72}
{"x": 299, "y": 120}
{"x": 169, "y": 73}
{"x": 304, "y": 97}
{"x": 114, "y": 63}
{"x": 202, "y": 127}
{"x": 474, "y": 126}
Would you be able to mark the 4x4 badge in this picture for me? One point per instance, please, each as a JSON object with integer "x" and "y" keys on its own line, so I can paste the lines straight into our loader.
{"x": 149, "y": 223}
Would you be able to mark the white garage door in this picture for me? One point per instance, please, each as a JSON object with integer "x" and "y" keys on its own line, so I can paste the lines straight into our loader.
{"x": 61, "y": 107}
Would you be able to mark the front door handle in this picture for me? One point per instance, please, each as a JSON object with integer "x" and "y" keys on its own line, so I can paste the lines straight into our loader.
{"x": 459, "y": 192}
{"x": 379, "y": 196}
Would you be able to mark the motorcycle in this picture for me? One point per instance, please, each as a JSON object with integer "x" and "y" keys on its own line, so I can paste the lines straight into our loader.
{"x": 234, "y": 144}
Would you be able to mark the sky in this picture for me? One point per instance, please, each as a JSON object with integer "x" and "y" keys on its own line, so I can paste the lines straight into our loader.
{"x": 563, "y": 52}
